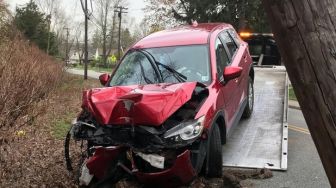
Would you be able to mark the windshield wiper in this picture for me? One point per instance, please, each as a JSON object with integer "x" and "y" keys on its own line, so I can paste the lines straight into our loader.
{"x": 180, "y": 77}
{"x": 147, "y": 80}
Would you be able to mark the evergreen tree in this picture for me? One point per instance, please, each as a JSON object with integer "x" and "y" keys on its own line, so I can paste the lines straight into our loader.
{"x": 34, "y": 25}
{"x": 242, "y": 14}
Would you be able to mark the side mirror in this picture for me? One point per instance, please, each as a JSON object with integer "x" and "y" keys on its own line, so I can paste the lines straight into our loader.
{"x": 232, "y": 73}
{"x": 104, "y": 78}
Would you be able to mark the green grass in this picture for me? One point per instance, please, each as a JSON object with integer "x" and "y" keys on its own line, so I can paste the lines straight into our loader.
{"x": 68, "y": 85}
{"x": 61, "y": 125}
{"x": 291, "y": 94}
{"x": 97, "y": 69}
{"x": 61, "y": 128}
{"x": 66, "y": 104}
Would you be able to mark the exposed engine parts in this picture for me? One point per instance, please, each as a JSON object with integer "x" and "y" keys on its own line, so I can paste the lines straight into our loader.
{"x": 149, "y": 148}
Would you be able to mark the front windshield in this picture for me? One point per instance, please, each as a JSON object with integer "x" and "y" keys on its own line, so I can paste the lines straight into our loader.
{"x": 192, "y": 62}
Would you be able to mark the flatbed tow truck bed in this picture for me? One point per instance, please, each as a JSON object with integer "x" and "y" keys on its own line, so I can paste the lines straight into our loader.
{"x": 261, "y": 141}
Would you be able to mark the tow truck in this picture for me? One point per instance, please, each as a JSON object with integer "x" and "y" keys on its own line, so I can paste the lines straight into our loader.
{"x": 263, "y": 48}
{"x": 262, "y": 140}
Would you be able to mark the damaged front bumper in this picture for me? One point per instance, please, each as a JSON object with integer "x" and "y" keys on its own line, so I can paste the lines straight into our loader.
{"x": 172, "y": 154}
{"x": 180, "y": 172}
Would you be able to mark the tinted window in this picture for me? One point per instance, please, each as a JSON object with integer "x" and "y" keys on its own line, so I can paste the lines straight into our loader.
{"x": 134, "y": 69}
{"x": 268, "y": 50}
{"x": 222, "y": 58}
{"x": 228, "y": 41}
{"x": 255, "y": 49}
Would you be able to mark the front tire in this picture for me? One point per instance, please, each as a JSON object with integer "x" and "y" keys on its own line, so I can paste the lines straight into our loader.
{"x": 250, "y": 100}
{"x": 214, "y": 159}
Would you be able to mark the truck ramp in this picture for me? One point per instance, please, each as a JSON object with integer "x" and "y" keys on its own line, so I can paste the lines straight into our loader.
{"x": 261, "y": 141}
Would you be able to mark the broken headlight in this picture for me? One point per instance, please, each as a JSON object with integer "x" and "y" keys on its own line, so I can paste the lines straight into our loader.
{"x": 185, "y": 131}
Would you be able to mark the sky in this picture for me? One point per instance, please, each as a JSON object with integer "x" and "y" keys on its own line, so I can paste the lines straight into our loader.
{"x": 135, "y": 7}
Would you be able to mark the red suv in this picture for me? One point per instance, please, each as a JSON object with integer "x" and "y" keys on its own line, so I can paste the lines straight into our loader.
{"x": 167, "y": 108}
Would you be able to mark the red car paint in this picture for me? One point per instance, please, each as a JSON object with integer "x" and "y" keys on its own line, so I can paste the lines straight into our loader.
{"x": 152, "y": 104}
{"x": 182, "y": 170}
{"x": 185, "y": 35}
{"x": 99, "y": 162}
{"x": 138, "y": 105}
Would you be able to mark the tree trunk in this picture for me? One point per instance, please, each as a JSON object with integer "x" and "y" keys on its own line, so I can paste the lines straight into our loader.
{"x": 305, "y": 33}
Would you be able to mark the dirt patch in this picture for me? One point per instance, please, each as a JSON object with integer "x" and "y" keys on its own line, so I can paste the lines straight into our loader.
{"x": 232, "y": 178}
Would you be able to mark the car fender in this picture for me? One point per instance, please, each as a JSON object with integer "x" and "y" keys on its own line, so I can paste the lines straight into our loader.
{"x": 209, "y": 133}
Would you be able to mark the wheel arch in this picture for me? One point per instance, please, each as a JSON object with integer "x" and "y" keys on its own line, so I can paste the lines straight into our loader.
{"x": 219, "y": 119}
{"x": 251, "y": 72}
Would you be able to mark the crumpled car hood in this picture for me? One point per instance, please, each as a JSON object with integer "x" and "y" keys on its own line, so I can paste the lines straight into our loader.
{"x": 137, "y": 104}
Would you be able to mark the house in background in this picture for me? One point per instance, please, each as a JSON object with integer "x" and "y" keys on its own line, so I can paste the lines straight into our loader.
{"x": 77, "y": 56}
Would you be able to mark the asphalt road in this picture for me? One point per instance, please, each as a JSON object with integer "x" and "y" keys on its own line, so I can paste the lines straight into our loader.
{"x": 91, "y": 74}
{"x": 304, "y": 165}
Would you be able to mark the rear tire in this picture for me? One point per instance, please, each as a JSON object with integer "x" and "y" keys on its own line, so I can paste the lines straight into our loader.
{"x": 214, "y": 158}
{"x": 250, "y": 100}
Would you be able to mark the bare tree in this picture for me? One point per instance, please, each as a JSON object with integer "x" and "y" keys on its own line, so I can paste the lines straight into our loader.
{"x": 59, "y": 20}
{"x": 79, "y": 50}
{"x": 105, "y": 18}
{"x": 47, "y": 7}
{"x": 77, "y": 43}
{"x": 305, "y": 33}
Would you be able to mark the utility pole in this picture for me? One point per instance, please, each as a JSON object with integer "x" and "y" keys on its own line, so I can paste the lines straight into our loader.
{"x": 85, "y": 9}
{"x": 119, "y": 10}
{"x": 67, "y": 47}
{"x": 306, "y": 36}
{"x": 112, "y": 34}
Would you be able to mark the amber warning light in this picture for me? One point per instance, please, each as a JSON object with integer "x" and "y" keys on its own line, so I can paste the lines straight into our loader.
{"x": 245, "y": 34}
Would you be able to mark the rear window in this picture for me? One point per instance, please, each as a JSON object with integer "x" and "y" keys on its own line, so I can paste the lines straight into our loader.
{"x": 255, "y": 49}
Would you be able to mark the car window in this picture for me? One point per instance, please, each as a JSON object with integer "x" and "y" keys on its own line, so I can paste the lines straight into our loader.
{"x": 234, "y": 35}
{"x": 192, "y": 61}
{"x": 222, "y": 59}
{"x": 135, "y": 68}
{"x": 228, "y": 41}
{"x": 255, "y": 49}
{"x": 268, "y": 50}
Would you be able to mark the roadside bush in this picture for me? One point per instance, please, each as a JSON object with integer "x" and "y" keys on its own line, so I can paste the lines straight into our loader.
{"x": 94, "y": 62}
{"x": 27, "y": 76}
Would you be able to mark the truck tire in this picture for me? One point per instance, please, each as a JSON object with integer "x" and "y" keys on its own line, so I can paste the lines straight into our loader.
{"x": 250, "y": 100}
{"x": 214, "y": 158}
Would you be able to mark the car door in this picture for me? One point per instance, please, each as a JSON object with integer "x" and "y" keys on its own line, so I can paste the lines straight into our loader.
{"x": 236, "y": 89}
{"x": 222, "y": 61}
